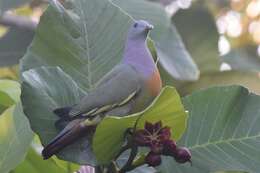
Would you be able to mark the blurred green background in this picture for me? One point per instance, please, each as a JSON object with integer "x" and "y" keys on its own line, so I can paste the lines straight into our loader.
{"x": 221, "y": 36}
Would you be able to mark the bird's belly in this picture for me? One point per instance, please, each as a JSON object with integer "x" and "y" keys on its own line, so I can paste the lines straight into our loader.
{"x": 150, "y": 89}
{"x": 141, "y": 102}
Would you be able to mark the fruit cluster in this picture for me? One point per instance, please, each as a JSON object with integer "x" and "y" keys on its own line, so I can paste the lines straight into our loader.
{"x": 158, "y": 139}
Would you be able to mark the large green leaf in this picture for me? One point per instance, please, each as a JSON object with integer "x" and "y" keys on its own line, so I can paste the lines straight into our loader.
{"x": 109, "y": 135}
{"x": 86, "y": 40}
{"x": 163, "y": 2}
{"x": 223, "y": 131}
{"x": 170, "y": 49}
{"x": 243, "y": 58}
{"x": 34, "y": 163}
{"x": 13, "y": 45}
{"x": 15, "y": 133}
{"x": 45, "y": 89}
{"x": 199, "y": 32}
{"x": 251, "y": 80}
{"x": 15, "y": 138}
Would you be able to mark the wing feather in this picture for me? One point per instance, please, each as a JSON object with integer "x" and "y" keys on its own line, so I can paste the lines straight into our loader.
{"x": 119, "y": 87}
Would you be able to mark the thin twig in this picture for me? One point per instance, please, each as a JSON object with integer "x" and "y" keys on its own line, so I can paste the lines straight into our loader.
{"x": 20, "y": 22}
{"x": 128, "y": 166}
{"x": 123, "y": 149}
{"x": 98, "y": 169}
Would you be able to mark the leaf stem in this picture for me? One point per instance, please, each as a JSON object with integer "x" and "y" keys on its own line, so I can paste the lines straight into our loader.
{"x": 128, "y": 166}
{"x": 123, "y": 149}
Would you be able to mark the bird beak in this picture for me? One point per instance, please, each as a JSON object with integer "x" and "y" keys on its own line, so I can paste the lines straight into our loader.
{"x": 149, "y": 27}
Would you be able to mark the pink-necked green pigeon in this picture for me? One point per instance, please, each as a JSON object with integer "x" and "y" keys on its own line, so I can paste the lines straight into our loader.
{"x": 128, "y": 88}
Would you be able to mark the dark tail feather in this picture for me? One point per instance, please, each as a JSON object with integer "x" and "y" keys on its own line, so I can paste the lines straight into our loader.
{"x": 63, "y": 112}
{"x": 67, "y": 136}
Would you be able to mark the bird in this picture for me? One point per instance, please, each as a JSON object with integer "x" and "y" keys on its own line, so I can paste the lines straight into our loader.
{"x": 128, "y": 88}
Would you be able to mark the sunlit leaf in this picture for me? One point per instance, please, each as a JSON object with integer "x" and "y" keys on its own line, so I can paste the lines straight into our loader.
{"x": 9, "y": 92}
{"x": 9, "y": 73}
{"x": 110, "y": 132}
{"x": 15, "y": 138}
{"x": 34, "y": 163}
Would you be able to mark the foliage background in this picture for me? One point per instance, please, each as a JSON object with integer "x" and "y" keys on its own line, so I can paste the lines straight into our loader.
{"x": 200, "y": 44}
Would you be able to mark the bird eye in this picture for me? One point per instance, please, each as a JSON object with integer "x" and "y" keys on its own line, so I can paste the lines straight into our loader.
{"x": 135, "y": 25}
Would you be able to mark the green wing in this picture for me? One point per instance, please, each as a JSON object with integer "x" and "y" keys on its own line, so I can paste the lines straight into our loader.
{"x": 116, "y": 89}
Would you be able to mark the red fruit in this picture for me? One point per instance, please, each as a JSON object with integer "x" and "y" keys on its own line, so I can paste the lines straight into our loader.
{"x": 165, "y": 134}
{"x": 153, "y": 159}
{"x": 156, "y": 147}
{"x": 152, "y": 136}
{"x": 183, "y": 155}
{"x": 169, "y": 148}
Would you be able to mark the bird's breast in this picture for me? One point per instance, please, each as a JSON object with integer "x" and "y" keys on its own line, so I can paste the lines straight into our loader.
{"x": 151, "y": 88}
{"x": 154, "y": 83}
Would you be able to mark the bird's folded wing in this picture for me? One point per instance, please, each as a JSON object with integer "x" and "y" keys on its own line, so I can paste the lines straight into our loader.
{"x": 115, "y": 90}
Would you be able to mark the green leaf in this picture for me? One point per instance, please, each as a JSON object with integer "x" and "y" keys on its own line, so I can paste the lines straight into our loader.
{"x": 250, "y": 80}
{"x": 70, "y": 167}
{"x": 15, "y": 138}
{"x": 199, "y": 32}
{"x": 170, "y": 49}
{"x": 243, "y": 58}
{"x": 86, "y": 40}
{"x": 34, "y": 163}
{"x": 223, "y": 131}
{"x": 7, "y": 4}
{"x": 13, "y": 45}
{"x": 163, "y": 2}
{"x": 9, "y": 92}
{"x": 230, "y": 172}
{"x": 167, "y": 107}
{"x": 2, "y": 108}
{"x": 45, "y": 89}
{"x": 9, "y": 73}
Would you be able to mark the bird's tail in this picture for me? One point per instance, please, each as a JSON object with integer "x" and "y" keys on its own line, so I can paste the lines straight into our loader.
{"x": 64, "y": 117}
{"x": 67, "y": 136}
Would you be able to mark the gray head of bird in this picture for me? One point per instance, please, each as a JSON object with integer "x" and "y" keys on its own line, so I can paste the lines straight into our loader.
{"x": 139, "y": 29}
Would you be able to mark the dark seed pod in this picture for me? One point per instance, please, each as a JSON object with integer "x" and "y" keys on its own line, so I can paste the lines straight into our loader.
{"x": 153, "y": 159}
{"x": 156, "y": 148}
{"x": 183, "y": 155}
{"x": 169, "y": 148}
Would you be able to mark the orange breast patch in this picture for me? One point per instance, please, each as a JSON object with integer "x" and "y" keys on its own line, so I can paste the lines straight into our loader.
{"x": 154, "y": 84}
